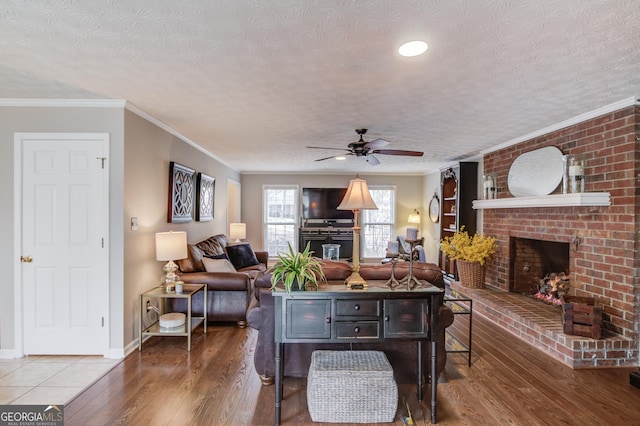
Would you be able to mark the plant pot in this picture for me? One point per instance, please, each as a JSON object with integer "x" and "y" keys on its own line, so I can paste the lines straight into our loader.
{"x": 295, "y": 286}
{"x": 471, "y": 274}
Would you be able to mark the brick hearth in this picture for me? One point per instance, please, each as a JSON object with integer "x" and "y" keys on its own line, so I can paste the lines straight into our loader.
{"x": 541, "y": 326}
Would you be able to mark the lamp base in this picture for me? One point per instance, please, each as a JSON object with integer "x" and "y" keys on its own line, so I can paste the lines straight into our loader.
{"x": 355, "y": 282}
{"x": 170, "y": 278}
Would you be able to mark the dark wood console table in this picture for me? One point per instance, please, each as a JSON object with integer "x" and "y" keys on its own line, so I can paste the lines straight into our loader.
{"x": 334, "y": 314}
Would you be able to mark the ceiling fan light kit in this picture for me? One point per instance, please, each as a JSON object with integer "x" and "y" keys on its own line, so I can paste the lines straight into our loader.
{"x": 362, "y": 148}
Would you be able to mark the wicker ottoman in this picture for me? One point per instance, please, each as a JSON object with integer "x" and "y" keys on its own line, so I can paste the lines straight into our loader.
{"x": 351, "y": 387}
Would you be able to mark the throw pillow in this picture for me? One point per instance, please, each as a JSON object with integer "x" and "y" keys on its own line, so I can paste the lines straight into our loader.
{"x": 242, "y": 256}
{"x": 217, "y": 265}
{"x": 217, "y": 256}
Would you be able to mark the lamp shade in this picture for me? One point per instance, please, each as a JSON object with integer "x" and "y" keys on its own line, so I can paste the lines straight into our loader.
{"x": 414, "y": 217}
{"x": 171, "y": 245}
{"x": 357, "y": 196}
{"x": 237, "y": 231}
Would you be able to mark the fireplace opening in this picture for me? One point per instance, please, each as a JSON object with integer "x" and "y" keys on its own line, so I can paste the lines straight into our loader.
{"x": 534, "y": 261}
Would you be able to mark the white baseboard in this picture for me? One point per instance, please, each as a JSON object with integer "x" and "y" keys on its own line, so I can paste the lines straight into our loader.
{"x": 115, "y": 353}
{"x": 8, "y": 354}
{"x": 133, "y": 346}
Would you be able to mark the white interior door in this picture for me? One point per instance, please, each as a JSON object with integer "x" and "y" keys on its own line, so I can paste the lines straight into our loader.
{"x": 64, "y": 269}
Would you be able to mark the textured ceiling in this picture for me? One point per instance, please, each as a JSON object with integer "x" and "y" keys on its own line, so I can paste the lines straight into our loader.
{"x": 254, "y": 82}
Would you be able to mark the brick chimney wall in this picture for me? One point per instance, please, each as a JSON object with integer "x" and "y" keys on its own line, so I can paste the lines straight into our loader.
{"x": 605, "y": 265}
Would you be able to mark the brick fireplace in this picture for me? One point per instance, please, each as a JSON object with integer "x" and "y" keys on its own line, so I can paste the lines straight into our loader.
{"x": 602, "y": 241}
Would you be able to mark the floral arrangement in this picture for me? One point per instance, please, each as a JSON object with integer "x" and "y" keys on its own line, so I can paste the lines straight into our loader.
{"x": 476, "y": 248}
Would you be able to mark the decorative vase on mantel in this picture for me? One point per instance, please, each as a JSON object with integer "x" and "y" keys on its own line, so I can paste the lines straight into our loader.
{"x": 471, "y": 274}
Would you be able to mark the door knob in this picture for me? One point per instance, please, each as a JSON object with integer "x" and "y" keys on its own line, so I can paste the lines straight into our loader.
{"x": 26, "y": 259}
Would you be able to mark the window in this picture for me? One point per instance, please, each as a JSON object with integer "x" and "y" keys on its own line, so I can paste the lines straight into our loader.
{"x": 280, "y": 209}
{"x": 377, "y": 225}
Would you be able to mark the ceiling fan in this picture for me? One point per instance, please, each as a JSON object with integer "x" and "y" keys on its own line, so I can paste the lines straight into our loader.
{"x": 366, "y": 149}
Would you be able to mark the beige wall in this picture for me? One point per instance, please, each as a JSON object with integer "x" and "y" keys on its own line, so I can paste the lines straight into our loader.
{"x": 148, "y": 151}
{"x": 409, "y": 195}
{"x": 430, "y": 230}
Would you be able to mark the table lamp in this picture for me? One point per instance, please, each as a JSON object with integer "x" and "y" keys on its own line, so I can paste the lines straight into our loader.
{"x": 357, "y": 198}
{"x": 237, "y": 232}
{"x": 171, "y": 246}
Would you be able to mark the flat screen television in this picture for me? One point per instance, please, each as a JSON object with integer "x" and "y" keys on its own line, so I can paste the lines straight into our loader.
{"x": 322, "y": 203}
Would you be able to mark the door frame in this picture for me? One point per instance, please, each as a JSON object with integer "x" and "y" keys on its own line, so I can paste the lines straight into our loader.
{"x": 18, "y": 139}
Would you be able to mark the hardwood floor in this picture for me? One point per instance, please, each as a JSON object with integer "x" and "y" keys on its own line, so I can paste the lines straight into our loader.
{"x": 509, "y": 383}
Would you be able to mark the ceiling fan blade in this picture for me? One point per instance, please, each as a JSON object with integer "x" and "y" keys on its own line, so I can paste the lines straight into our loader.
{"x": 372, "y": 160}
{"x": 325, "y": 158}
{"x": 399, "y": 152}
{"x": 324, "y": 147}
{"x": 377, "y": 143}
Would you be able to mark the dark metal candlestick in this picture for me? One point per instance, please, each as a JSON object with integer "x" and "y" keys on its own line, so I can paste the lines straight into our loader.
{"x": 410, "y": 278}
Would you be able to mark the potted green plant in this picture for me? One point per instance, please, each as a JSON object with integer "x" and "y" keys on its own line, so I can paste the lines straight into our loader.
{"x": 296, "y": 270}
{"x": 470, "y": 253}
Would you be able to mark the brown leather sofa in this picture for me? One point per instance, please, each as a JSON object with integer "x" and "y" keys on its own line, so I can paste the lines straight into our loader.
{"x": 297, "y": 358}
{"x": 228, "y": 293}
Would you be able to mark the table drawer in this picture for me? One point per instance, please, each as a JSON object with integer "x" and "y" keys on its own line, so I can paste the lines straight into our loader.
{"x": 358, "y": 307}
{"x": 358, "y": 330}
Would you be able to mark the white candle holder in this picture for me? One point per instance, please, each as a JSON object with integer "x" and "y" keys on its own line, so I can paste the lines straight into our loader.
{"x": 489, "y": 187}
{"x": 573, "y": 178}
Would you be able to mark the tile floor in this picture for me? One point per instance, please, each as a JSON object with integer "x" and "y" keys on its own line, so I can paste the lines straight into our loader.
{"x": 53, "y": 380}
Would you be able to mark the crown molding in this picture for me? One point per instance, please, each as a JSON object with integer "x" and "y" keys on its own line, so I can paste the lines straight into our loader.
{"x": 143, "y": 114}
{"x": 633, "y": 100}
{"x": 64, "y": 103}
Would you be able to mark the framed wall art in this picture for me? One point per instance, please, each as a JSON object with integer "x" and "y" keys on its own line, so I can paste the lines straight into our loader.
{"x": 206, "y": 188}
{"x": 181, "y": 193}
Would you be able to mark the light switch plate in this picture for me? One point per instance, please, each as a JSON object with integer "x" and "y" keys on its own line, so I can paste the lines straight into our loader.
{"x": 134, "y": 223}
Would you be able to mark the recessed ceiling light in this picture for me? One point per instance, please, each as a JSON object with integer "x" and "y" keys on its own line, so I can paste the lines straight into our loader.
{"x": 341, "y": 158}
{"x": 413, "y": 48}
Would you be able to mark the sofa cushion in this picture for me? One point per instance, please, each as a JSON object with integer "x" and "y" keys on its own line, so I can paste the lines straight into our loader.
{"x": 242, "y": 256}
{"x": 213, "y": 245}
{"x": 217, "y": 265}
{"x": 429, "y": 272}
{"x": 193, "y": 263}
{"x": 335, "y": 271}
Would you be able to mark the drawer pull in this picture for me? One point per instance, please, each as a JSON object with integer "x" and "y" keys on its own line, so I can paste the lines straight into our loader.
{"x": 356, "y": 307}
{"x": 386, "y": 318}
{"x": 357, "y": 329}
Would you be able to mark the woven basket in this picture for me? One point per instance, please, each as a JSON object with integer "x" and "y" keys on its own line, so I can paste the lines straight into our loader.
{"x": 471, "y": 274}
{"x": 351, "y": 387}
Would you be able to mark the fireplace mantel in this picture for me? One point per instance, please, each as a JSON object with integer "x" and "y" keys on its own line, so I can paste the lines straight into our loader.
{"x": 553, "y": 200}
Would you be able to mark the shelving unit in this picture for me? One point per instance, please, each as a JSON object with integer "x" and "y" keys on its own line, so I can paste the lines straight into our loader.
{"x": 460, "y": 306}
{"x": 459, "y": 188}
